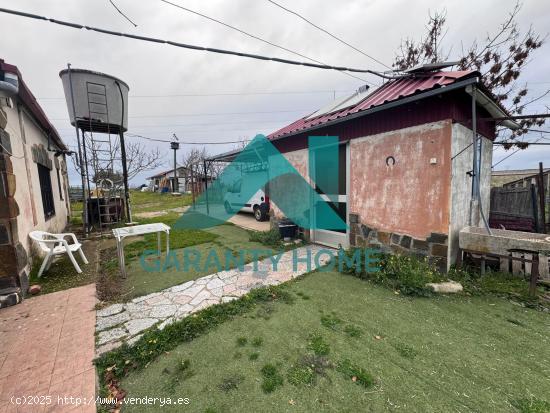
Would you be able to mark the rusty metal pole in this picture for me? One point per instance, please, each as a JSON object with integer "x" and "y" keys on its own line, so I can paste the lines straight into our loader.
{"x": 80, "y": 159}
{"x": 542, "y": 198}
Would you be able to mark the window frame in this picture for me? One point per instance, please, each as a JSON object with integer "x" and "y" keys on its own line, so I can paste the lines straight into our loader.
{"x": 46, "y": 191}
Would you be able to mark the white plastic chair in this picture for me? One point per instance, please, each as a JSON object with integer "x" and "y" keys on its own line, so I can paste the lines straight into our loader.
{"x": 55, "y": 244}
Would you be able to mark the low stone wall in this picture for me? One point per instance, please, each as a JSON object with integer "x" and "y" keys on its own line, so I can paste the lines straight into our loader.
{"x": 435, "y": 247}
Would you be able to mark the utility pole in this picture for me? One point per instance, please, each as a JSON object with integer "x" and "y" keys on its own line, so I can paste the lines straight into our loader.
{"x": 175, "y": 145}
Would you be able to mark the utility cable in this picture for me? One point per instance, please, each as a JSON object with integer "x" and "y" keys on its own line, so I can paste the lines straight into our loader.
{"x": 513, "y": 153}
{"x": 327, "y": 32}
{"x": 190, "y": 46}
{"x": 221, "y": 94}
{"x": 253, "y": 36}
{"x": 122, "y": 13}
{"x": 133, "y": 135}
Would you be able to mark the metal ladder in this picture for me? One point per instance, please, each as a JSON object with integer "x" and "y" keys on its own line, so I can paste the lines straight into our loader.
{"x": 103, "y": 159}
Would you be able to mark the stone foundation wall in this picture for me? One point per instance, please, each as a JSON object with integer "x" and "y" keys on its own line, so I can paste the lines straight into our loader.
{"x": 14, "y": 280}
{"x": 435, "y": 247}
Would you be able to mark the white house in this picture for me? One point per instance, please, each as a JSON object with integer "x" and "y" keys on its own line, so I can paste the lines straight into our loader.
{"x": 33, "y": 181}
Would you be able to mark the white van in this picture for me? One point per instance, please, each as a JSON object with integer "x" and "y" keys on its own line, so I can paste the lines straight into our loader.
{"x": 258, "y": 204}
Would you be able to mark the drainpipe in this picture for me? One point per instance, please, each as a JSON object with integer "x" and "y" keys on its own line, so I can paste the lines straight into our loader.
{"x": 473, "y": 194}
{"x": 476, "y": 170}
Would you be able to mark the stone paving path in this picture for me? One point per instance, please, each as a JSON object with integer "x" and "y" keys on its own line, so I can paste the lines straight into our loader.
{"x": 46, "y": 349}
{"x": 120, "y": 323}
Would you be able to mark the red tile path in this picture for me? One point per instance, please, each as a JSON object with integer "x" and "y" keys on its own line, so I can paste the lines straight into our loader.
{"x": 46, "y": 349}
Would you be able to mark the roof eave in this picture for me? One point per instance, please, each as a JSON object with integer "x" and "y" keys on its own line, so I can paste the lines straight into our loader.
{"x": 494, "y": 109}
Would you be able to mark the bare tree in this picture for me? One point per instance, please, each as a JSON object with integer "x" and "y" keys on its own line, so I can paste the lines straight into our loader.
{"x": 138, "y": 159}
{"x": 500, "y": 58}
{"x": 195, "y": 158}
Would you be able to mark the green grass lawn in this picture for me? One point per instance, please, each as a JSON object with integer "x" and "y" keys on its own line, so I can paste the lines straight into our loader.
{"x": 141, "y": 202}
{"x": 320, "y": 353}
{"x": 155, "y": 201}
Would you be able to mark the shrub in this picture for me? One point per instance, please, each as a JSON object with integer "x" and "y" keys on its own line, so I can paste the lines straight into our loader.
{"x": 407, "y": 274}
{"x": 271, "y": 238}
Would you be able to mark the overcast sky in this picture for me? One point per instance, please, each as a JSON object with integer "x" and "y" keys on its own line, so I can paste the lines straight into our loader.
{"x": 259, "y": 96}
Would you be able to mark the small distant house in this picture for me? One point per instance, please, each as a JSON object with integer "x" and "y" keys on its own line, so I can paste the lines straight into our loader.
{"x": 406, "y": 158}
{"x": 519, "y": 178}
{"x": 164, "y": 181}
{"x": 33, "y": 181}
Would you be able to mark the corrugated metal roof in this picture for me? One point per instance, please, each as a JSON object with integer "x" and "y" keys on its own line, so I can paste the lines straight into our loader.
{"x": 389, "y": 92}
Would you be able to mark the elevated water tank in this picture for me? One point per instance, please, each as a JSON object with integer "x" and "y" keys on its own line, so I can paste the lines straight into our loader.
{"x": 100, "y": 100}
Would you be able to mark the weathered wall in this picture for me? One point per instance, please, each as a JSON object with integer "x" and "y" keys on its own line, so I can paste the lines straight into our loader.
{"x": 282, "y": 185}
{"x": 461, "y": 183}
{"x": 30, "y": 188}
{"x": 21, "y": 209}
{"x": 412, "y": 196}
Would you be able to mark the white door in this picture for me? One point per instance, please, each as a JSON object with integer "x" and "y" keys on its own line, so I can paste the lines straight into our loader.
{"x": 338, "y": 201}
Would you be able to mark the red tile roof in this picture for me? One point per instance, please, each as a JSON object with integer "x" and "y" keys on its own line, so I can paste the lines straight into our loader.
{"x": 390, "y": 91}
{"x": 32, "y": 105}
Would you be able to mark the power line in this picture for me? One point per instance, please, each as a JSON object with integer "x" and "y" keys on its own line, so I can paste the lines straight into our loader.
{"x": 253, "y": 36}
{"x": 513, "y": 153}
{"x": 189, "y": 46}
{"x": 122, "y": 13}
{"x": 327, "y": 32}
{"x": 305, "y": 92}
{"x": 239, "y": 122}
{"x": 205, "y": 114}
{"x": 132, "y": 135}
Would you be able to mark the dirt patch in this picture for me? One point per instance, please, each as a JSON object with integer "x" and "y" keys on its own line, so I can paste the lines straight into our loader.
{"x": 154, "y": 214}
{"x": 109, "y": 283}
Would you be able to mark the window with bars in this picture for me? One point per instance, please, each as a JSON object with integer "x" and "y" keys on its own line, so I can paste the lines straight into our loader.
{"x": 46, "y": 191}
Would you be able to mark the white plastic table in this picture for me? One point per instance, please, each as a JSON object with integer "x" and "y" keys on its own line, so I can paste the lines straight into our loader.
{"x": 124, "y": 232}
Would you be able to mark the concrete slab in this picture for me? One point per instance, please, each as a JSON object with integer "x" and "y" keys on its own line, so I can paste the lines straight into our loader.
{"x": 247, "y": 221}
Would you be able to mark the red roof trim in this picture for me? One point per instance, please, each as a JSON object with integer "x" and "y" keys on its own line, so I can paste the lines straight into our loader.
{"x": 32, "y": 104}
